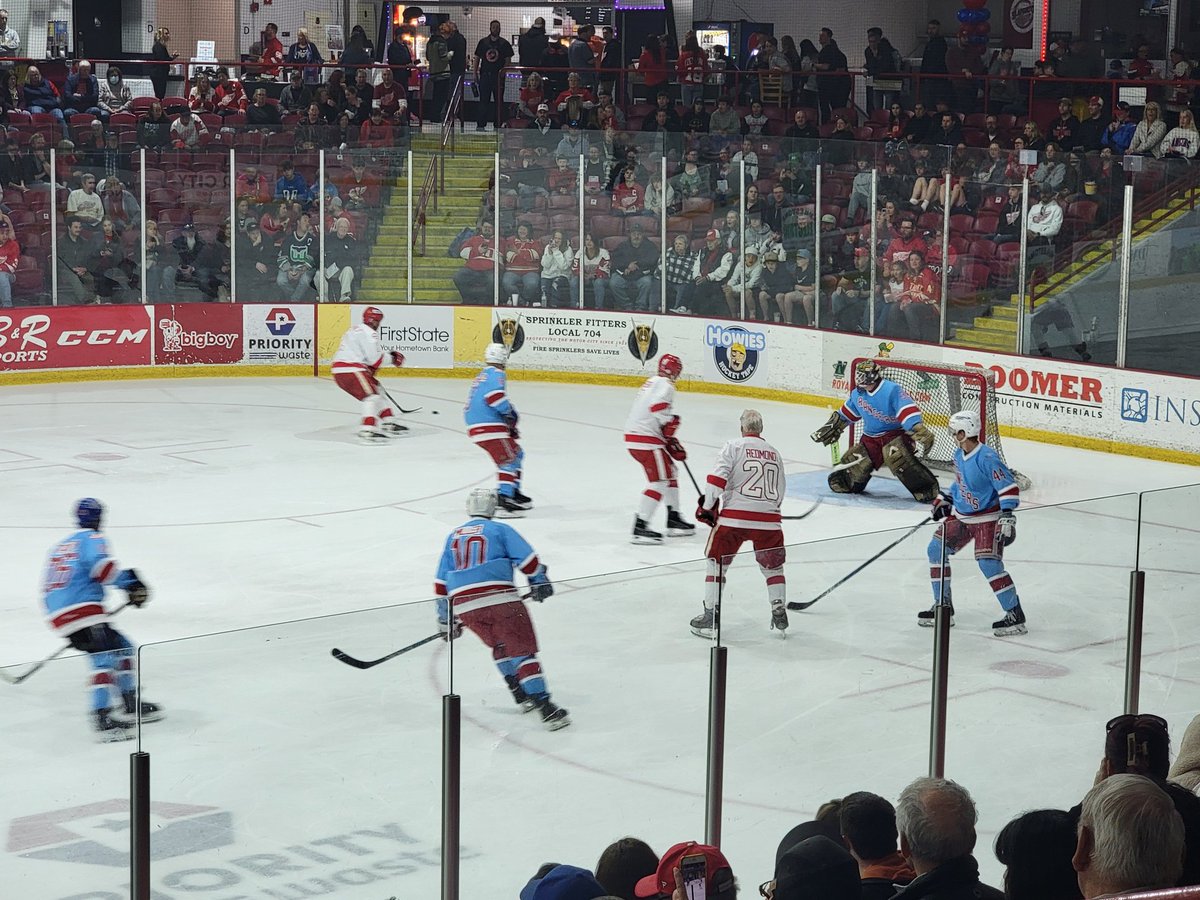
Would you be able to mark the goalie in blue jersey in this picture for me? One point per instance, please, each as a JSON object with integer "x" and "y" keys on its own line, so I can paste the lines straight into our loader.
{"x": 892, "y": 428}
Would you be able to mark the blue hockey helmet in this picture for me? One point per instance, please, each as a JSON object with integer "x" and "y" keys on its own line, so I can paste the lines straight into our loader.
{"x": 88, "y": 512}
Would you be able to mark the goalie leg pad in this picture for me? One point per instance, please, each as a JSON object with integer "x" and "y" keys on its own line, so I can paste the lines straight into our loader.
{"x": 853, "y": 480}
{"x": 898, "y": 456}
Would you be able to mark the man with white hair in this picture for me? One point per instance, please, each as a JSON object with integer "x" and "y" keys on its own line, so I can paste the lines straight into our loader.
{"x": 741, "y": 503}
{"x": 81, "y": 96}
{"x": 936, "y": 821}
{"x": 1130, "y": 838}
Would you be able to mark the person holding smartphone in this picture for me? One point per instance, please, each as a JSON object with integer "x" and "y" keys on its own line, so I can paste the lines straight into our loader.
{"x": 704, "y": 874}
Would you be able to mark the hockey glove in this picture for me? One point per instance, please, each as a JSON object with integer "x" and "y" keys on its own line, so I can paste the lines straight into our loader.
{"x": 675, "y": 449}
{"x": 139, "y": 594}
{"x": 831, "y": 431}
{"x": 943, "y": 506}
{"x": 1006, "y": 525}
{"x": 705, "y": 515}
{"x": 450, "y": 631}
{"x": 671, "y": 427}
{"x": 542, "y": 588}
{"x": 923, "y": 436}
{"x": 397, "y": 358}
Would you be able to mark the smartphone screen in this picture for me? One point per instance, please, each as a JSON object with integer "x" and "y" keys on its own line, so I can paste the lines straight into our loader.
{"x": 695, "y": 877}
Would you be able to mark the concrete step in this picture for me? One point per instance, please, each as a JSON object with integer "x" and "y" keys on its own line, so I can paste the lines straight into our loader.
{"x": 995, "y": 326}
{"x": 968, "y": 337}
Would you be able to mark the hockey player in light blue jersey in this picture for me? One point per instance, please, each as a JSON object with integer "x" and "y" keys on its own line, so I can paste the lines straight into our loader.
{"x": 76, "y": 573}
{"x": 492, "y": 424}
{"x": 475, "y": 589}
{"x": 979, "y": 506}
{"x": 891, "y": 426}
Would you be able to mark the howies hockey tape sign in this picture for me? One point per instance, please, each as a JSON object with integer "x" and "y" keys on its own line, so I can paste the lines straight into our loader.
{"x": 737, "y": 353}
{"x": 198, "y": 333}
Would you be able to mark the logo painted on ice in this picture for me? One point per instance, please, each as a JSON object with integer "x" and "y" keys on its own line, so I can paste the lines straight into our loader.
{"x": 101, "y": 832}
{"x": 735, "y": 351}
{"x": 1135, "y": 404}
{"x": 175, "y": 338}
{"x": 280, "y": 321}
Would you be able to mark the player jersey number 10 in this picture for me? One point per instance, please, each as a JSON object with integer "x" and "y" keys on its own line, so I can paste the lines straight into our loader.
{"x": 764, "y": 482}
{"x": 468, "y": 551}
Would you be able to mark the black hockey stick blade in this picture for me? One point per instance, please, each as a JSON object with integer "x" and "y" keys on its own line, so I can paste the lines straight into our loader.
{"x": 407, "y": 412}
{"x": 794, "y": 605}
{"x": 369, "y": 663}
{"x": 804, "y": 515}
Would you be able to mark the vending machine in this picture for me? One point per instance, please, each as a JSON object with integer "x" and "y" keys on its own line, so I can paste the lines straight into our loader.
{"x": 736, "y": 36}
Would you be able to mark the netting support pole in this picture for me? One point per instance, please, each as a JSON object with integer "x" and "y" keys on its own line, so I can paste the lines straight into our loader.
{"x": 451, "y": 794}
{"x": 715, "y": 782}
{"x": 941, "y": 675}
{"x": 139, "y": 832}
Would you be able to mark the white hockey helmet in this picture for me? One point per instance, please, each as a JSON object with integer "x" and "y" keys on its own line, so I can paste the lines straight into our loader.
{"x": 495, "y": 355}
{"x": 481, "y": 502}
{"x": 967, "y": 422}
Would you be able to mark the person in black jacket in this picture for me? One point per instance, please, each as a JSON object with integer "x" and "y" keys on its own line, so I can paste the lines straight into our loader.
{"x": 833, "y": 90}
{"x": 154, "y": 130}
{"x": 868, "y": 826}
{"x": 186, "y": 249}
{"x": 213, "y": 262}
{"x": 634, "y": 262}
{"x": 162, "y": 56}
{"x": 257, "y": 266}
{"x": 531, "y": 46}
{"x": 880, "y": 59}
{"x": 399, "y": 56}
{"x": 933, "y": 62}
{"x": 342, "y": 262}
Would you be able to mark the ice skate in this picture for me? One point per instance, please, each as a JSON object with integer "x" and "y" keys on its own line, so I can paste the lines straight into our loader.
{"x": 522, "y": 699}
{"x": 705, "y": 624}
{"x": 779, "y": 618}
{"x": 676, "y": 526}
{"x": 925, "y": 616}
{"x": 109, "y": 730}
{"x": 394, "y": 429}
{"x": 1012, "y": 623}
{"x": 642, "y": 534}
{"x": 509, "y": 508}
{"x": 553, "y": 717}
{"x": 371, "y": 436}
{"x": 151, "y": 712}
{"x": 522, "y": 501}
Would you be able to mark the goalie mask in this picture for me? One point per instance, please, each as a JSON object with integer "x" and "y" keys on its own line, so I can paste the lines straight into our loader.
{"x": 867, "y": 374}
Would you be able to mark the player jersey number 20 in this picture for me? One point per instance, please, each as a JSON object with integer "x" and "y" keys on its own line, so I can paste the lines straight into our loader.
{"x": 764, "y": 481}
{"x": 468, "y": 551}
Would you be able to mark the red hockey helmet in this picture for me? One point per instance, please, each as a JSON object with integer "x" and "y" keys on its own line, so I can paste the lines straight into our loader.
{"x": 670, "y": 366}
{"x": 372, "y": 316}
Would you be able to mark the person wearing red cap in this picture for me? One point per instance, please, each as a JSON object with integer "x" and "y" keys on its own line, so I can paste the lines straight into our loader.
{"x": 718, "y": 874}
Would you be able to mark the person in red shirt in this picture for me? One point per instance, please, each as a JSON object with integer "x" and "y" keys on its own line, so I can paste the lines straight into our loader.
{"x": 652, "y": 65}
{"x": 358, "y": 189}
{"x": 629, "y": 197}
{"x": 389, "y": 95}
{"x": 475, "y": 279}
{"x": 10, "y": 256}
{"x": 905, "y": 242}
{"x": 375, "y": 132}
{"x": 692, "y": 68}
{"x": 522, "y": 268}
{"x": 920, "y": 302}
{"x": 533, "y": 95}
{"x": 252, "y": 186}
{"x": 562, "y": 179}
{"x": 230, "y": 98}
{"x": 575, "y": 88}
{"x": 272, "y": 55}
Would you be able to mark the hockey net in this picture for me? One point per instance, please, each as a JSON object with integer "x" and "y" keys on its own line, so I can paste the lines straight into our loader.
{"x": 941, "y": 390}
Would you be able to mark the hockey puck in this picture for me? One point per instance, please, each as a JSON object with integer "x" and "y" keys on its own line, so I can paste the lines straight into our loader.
{"x": 434, "y": 411}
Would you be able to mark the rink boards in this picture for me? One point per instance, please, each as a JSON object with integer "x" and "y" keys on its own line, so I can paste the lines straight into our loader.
{"x": 1116, "y": 410}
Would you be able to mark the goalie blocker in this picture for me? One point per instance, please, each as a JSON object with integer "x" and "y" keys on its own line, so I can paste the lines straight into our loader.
{"x": 892, "y": 427}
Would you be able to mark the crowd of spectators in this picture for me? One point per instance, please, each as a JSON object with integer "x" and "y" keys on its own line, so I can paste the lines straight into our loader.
{"x": 1136, "y": 829}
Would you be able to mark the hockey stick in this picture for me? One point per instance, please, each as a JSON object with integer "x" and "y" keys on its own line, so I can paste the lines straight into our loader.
{"x": 407, "y": 412}
{"x": 369, "y": 663}
{"x": 4, "y": 676}
{"x": 804, "y": 515}
{"x": 925, "y": 521}
{"x": 688, "y": 469}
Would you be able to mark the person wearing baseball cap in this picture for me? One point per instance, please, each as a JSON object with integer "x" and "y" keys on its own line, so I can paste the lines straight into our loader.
{"x": 719, "y": 881}
{"x": 1090, "y": 134}
{"x": 564, "y": 883}
{"x": 817, "y": 868}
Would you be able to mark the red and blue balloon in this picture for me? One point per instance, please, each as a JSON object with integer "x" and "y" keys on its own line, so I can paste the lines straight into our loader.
{"x": 974, "y": 26}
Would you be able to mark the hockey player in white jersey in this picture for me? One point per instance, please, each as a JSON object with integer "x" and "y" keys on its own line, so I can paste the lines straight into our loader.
{"x": 650, "y": 439}
{"x": 354, "y": 368}
{"x": 741, "y": 503}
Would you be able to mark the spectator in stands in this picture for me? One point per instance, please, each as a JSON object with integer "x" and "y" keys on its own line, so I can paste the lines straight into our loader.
{"x": 1130, "y": 838}
{"x": 76, "y": 285}
{"x": 634, "y": 262}
{"x": 748, "y": 155}
{"x": 1063, "y": 130}
{"x": 531, "y": 45}
{"x": 1120, "y": 131}
{"x": 629, "y": 197}
{"x": 652, "y": 65}
{"x": 576, "y": 100}
{"x": 109, "y": 263}
{"x": 1185, "y": 771}
{"x": 905, "y": 242}
{"x": 10, "y": 39}
{"x": 801, "y": 128}
{"x": 91, "y": 140}
{"x": 719, "y": 881}
{"x": 342, "y": 261}
{"x": 262, "y": 115}
{"x": 1045, "y": 219}
{"x": 580, "y": 56}
{"x": 933, "y": 62}
{"x": 570, "y": 147}
{"x": 356, "y": 55}
{"x": 120, "y": 206}
{"x": 773, "y": 208}
{"x": 257, "y": 265}
{"x": 692, "y": 71}
{"x": 1050, "y": 173}
{"x": 1008, "y": 227}
{"x": 677, "y": 268}
{"x": 742, "y": 281}
{"x": 880, "y": 58}
{"x": 755, "y": 123}
{"x": 82, "y": 93}
{"x": 358, "y": 108}
{"x": 291, "y": 186}
{"x": 187, "y": 132}
{"x": 1090, "y": 135}
{"x": 1182, "y": 141}
{"x": 934, "y": 258}
{"x": 521, "y": 281}
{"x": 475, "y": 279}
{"x": 294, "y": 98}
{"x": 304, "y": 53}
{"x": 399, "y": 55}
{"x": 557, "y": 261}
{"x": 555, "y": 66}
{"x": 1036, "y": 849}
{"x": 804, "y": 289}
{"x": 187, "y": 249}
{"x": 724, "y": 122}
{"x": 561, "y": 181}
{"x": 660, "y": 123}
{"x": 1141, "y": 67}
{"x": 659, "y": 197}
{"x": 919, "y": 124}
{"x": 542, "y": 121}
{"x": 228, "y": 94}
{"x": 595, "y": 171}
{"x": 868, "y": 826}
{"x": 927, "y": 188}
{"x": 533, "y": 96}
{"x": 85, "y": 205}
{"x": 962, "y": 59}
{"x": 12, "y": 166}
{"x": 162, "y": 58}
{"x": 439, "y": 57}
{"x": 358, "y": 189}
{"x": 41, "y": 96}
{"x": 774, "y": 284}
{"x": 251, "y": 185}
{"x": 936, "y": 821}
{"x": 389, "y": 96}
{"x": 313, "y": 134}
{"x": 946, "y": 133}
{"x": 833, "y": 90}
{"x": 297, "y": 260}
{"x": 36, "y": 170}
{"x": 272, "y": 52}
{"x": 597, "y": 269}
{"x": 202, "y": 98}
{"x": 115, "y": 95}
{"x": 991, "y": 171}
{"x": 10, "y": 258}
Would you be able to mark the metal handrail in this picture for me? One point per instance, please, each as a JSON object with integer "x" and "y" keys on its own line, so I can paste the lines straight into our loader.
{"x": 435, "y": 175}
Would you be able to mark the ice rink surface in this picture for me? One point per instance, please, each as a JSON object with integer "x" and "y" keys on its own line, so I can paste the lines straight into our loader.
{"x": 280, "y": 773}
